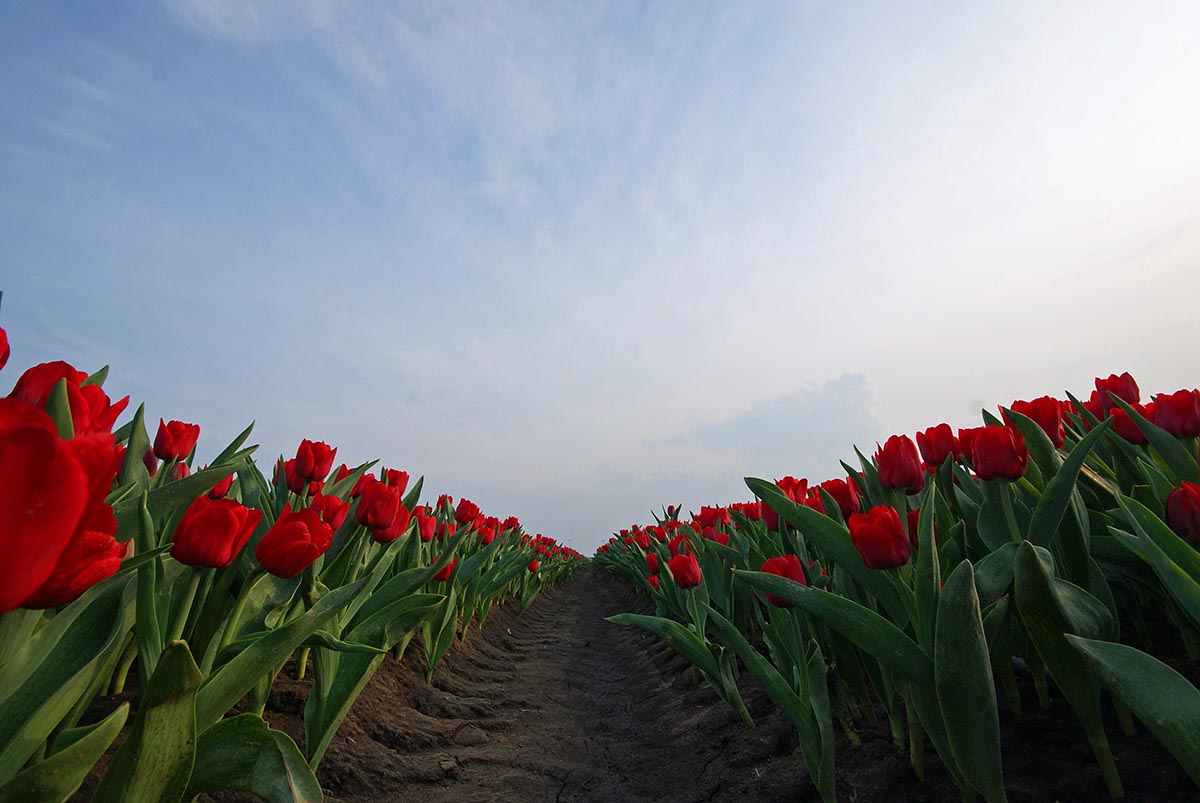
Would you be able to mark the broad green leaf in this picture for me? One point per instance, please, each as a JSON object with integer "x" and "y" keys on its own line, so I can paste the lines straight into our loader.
{"x": 55, "y": 778}
{"x": 223, "y": 688}
{"x": 966, "y": 692}
{"x": 1165, "y": 701}
{"x": 155, "y": 761}
{"x": 243, "y": 754}
{"x": 873, "y": 634}
{"x": 678, "y": 637}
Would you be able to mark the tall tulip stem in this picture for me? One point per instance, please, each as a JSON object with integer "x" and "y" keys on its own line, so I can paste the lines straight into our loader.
{"x": 185, "y": 606}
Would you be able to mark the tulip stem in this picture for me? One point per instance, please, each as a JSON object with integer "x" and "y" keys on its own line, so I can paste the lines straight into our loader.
{"x": 235, "y": 615}
{"x": 1124, "y": 717}
{"x": 1104, "y": 758}
{"x": 185, "y": 605}
{"x": 1010, "y": 519}
{"x": 122, "y": 669}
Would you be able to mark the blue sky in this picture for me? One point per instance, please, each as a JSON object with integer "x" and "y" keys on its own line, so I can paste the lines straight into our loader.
{"x": 579, "y": 260}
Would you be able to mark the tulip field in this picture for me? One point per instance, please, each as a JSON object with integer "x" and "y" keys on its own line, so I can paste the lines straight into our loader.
{"x": 129, "y": 567}
{"x": 1051, "y": 550}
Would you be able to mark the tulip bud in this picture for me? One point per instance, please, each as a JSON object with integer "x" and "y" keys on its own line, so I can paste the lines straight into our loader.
{"x": 1123, "y": 387}
{"x": 4, "y": 349}
{"x": 466, "y": 512}
{"x": 843, "y": 493}
{"x": 397, "y": 528}
{"x": 331, "y": 509}
{"x": 1178, "y": 412}
{"x": 900, "y": 465}
{"x": 444, "y": 574}
{"x": 784, "y": 566}
{"x": 533, "y": 566}
{"x": 652, "y": 562}
{"x": 653, "y": 581}
{"x": 685, "y": 570}
{"x": 175, "y": 439}
{"x": 1124, "y": 426}
{"x": 998, "y": 453}
{"x": 314, "y": 460}
{"x": 212, "y": 532}
{"x": 179, "y": 471}
{"x": 1183, "y": 511}
{"x": 221, "y": 489}
{"x": 378, "y": 504}
{"x": 91, "y": 556}
{"x": 879, "y": 537}
{"x": 936, "y": 444}
{"x": 1046, "y": 412}
{"x": 426, "y": 525}
{"x": 296, "y": 540}
{"x": 395, "y": 478}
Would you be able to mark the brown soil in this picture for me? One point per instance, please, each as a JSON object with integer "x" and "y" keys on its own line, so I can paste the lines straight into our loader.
{"x": 559, "y": 705}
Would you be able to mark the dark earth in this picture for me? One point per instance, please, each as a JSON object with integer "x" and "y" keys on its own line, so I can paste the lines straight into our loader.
{"x": 557, "y": 704}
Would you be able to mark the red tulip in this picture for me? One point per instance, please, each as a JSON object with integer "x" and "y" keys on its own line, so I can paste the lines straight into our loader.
{"x": 1183, "y": 511}
{"x": 486, "y": 535}
{"x": 998, "y": 453}
{"x": 150, "y": 461}
{"x": 936, "y": 443}
{"x": 966, "y": 443}
{"x": 843, "y": 493}
{"x": 91, "y": 410}
{"x": 879, "y": 537}
{"x": 178, "y": 472}
{"x": 296, "y": 540}
{"x": 4, "y": 349}
{"x": 444, "y": 574}
{"x": 653, "y": 581}
{"x": 1046, "y": 412}
{"x": 54, "y": 522}
{"x": 533, "y": 566}
{"x": 342, "y": 472}
{"x": 1124, "y": 426}
{"x": 221, "y": 489}
{"x": 466, "y": 512}
{"x": 37, "y": 383}
{"x": 395, "y": 478}
{"x": 175, "y": 439}
{"x": 900, "y": 465}
{"x": 397, "y": 528}
{"x": 331, "y": 509}
{"x": 426, "y": 525}
{"x": 784, "y": 566}
{"x": 685, "y": 570}
{"x": 378, "y": 505}
{"x": 1123, "y": 387}
{"x": 212, "y": 532}
{"x": 652, "y": 562}
{"x": 314, "y": 460}
{"x": 1178, "y": 412}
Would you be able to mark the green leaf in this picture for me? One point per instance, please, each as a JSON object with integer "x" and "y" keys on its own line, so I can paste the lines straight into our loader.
{"x": 164, "y": 499}
{"x": 134, "y": 470}
{"x": 966, "y": 692}
{"x": 927, "y": 578}
{"x": 243, "y": 754}
{"x": 818, "y": 750}
{"x": 59, "y": 408}
{"x": 873, "y": 634}
{"x": 56, "y": 778}
{"x": 1165, "y": 701}
{"x": 676, "y": 636}
{"x": 223, "y": 688}
{"x": 1053, "y": 505}
{"x": 229, "y": 451}
{"x": 994, "y": 574}
{"x": 96, "y": 378}
{"x": 155, "y": 761}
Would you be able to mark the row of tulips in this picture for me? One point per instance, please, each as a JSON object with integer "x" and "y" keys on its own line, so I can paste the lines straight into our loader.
{"x": 1050, "y": 538}
{"x": 120, "y": 553}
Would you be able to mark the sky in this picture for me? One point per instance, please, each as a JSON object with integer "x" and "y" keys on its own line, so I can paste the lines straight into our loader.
{"x": 577, "y": 261}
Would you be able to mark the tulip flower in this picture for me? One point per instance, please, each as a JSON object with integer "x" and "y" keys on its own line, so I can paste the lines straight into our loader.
{"x": 4, "y": 349}
{"x": 1124, "y": 426}
{"x": 653, "y": 581}
{"x": 936, "y": 443}
{"x": 652, "y": 562}
{"x": 314, "y": 460}
{"x": 1123, "y": 387}
{"x": 1183, "y": 511}
{"x": 444, "y": 573}
{"x": 486, "y": 535}
{"x": 395, "y": 478}
{"x": 212, "y": 532}
{"x": 91, "y": 410}
{"x": 998, "y": 453}
{"x": 221, "y": 489}
{"x": 178, "y": 472}
{"x": 1178, "y": 412}
{"x": 296, "y": 540}
{"x": 378, "y": 505}
{"x": 175, "y": 439}
{"x": 843, "y": 493}
{"x": 92, "y": 556}
{"x": 466, "y": 512}
{"x": 426, "y": 525}
{"x": 397, "y": 528}
{"x": 37, "y": 383}
{"x": 879, "y": 537}
{"x": 51, "y": 494}
{"x": 966, "y": 443}
{"x": 685, "y": 570}
{"x": 332, "y": 509}
{"x": 1046, "y": 412}
{"x": 533, "y": 566}
{"x": 784, "y": 566}
{"x": 900, "y": 466}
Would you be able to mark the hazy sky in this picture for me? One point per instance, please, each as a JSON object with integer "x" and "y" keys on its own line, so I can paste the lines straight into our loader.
{"x": 579, "y": 260}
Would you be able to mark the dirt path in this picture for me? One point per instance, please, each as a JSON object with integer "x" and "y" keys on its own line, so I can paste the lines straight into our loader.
{"x": 554, "y": 705}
